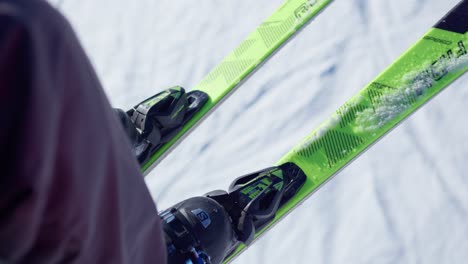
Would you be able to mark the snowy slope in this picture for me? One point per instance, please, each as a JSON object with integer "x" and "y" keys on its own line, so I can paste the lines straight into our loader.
{"x": 404, "y": 201}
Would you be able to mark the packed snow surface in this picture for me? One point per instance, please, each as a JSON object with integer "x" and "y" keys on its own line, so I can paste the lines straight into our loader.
{"x": 403, "y": 201}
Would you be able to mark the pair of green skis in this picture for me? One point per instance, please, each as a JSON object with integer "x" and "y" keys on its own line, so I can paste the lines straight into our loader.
{"x": 425, "y": 69}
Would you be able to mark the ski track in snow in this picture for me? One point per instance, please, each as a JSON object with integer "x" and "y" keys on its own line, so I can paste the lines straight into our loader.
{"x": 404, "y": 201}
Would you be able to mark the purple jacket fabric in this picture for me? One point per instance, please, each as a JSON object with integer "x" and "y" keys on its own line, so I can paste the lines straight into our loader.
{"x": 70, "y": 189}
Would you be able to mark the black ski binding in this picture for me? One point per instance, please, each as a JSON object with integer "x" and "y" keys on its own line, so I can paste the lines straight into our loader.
{"x": 159, "y": 118}
{"x": 253, "y": 200}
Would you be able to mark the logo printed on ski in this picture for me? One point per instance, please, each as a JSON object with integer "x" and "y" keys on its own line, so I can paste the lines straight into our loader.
{"x": 304, "y": 9}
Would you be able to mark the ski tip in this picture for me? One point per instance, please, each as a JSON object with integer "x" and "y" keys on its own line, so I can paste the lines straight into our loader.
{"x": 456, "y": 20}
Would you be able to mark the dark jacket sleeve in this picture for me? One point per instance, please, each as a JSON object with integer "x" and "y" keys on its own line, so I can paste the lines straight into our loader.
{"x": 70, "y": 189}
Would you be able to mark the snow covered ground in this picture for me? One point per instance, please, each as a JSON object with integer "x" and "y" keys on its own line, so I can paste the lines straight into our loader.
{"x": 404, "y": 201}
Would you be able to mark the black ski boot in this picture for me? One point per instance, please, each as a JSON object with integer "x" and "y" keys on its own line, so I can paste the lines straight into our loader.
{"x": 208, "y": 229}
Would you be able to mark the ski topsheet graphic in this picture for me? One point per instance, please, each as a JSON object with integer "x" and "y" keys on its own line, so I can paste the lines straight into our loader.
{"x": 261, "y": 44}
{"x": 424, "y": 70}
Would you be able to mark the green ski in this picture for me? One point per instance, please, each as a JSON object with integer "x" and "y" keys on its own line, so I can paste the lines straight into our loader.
{"x": 424, "y": 70}
{"x": 155, "y": 133}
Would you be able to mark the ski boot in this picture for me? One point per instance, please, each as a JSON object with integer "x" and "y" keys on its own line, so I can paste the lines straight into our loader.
{"x": 159, "y": 118}
{"x": 207, "y": 229}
